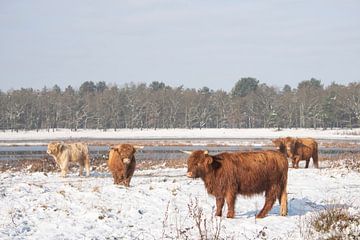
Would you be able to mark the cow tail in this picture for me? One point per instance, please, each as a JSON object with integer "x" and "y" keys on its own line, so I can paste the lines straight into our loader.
{"x": 315, "y": 156}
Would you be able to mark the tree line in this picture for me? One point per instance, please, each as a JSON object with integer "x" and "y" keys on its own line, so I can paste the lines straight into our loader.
{"x": 250, "y": 104}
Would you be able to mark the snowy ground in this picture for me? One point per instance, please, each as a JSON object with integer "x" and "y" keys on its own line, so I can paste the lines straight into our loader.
{"x": 156, "y": 206}
{"x": 336, "y": 134}
{"x": 39, "y": 206}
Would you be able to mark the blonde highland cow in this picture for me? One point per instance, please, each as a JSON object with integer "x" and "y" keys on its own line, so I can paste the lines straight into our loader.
{"x": 74, "y": 152}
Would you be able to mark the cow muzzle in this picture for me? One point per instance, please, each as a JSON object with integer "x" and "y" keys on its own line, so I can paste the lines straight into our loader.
{"x": 126, "y": 160}
{"x": 190, "y": 174}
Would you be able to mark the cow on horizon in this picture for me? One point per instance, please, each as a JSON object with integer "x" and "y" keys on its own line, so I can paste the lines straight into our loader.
{"x": 298, "y": 149}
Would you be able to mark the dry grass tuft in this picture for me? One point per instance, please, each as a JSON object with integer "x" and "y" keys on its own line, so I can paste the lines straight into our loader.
{"x": 195, "y": 225}
{"x": 348, "y": 161}
{"x": 333, "y": 223}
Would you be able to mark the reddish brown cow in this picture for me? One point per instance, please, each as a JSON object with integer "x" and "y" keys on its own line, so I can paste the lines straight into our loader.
{"x": 247, "y": 173}
{"x": 299, "y": 149}
{"x": 122, "y": 163}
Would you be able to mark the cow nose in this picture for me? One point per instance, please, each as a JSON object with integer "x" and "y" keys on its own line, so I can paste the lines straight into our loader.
{"x": 189, "y": 174}
{"x": 126, "y": 160}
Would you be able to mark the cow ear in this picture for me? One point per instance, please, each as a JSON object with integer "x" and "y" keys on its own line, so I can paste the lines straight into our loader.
{"x": 209, "y": 160}
{"x": 60, "y": 147}
{"x": 137, "y": 148}
{"x": 115, "y": 148}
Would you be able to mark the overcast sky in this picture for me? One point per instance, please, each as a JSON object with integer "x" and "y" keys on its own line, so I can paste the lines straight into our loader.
{"x": 179, "y": 42}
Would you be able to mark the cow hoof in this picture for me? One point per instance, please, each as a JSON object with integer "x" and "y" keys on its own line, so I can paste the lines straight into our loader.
{"x": 260, "y": 216}
{"x": 283, "y": 214}
{"x": 230, "y": 215}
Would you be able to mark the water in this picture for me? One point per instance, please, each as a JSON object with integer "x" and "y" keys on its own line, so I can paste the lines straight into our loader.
{"x": 148, "y": 152}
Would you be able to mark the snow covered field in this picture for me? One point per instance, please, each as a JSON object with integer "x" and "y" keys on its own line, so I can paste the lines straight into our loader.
{"x": 259, "y": 133}
{"x": 158, "y": 204}
{"x": 39, "y": 206}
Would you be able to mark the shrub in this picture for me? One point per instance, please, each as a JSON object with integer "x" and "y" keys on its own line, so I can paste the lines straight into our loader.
{"x": 334, "y": 223}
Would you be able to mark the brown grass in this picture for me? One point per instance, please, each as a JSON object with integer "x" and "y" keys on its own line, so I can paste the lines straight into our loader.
{"x": 348, "y": 161}
{"x": 333, "y": 223}
{"x": 98, "y": 165}
{"x": 339, "y": 144}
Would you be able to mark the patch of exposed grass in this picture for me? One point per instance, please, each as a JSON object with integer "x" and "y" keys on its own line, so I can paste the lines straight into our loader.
{"x": 333, "y": 223}
{"x": 349, "y": 161}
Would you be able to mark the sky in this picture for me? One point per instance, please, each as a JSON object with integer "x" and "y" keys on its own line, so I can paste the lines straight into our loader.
{"x": 193, "y": 43}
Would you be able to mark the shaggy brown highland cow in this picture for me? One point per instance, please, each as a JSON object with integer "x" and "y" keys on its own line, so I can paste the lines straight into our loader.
{"x": 298, "y": 149}
{"x": 247, "y": 173}
{"x": 74, "y": 152}
{"x": 122, "y": 163}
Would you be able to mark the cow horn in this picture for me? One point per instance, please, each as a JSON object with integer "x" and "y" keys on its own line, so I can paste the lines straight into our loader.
{"x": 138, "y": 147}
{"x": 206, "y": 152}
{"x": 187, "y": 152}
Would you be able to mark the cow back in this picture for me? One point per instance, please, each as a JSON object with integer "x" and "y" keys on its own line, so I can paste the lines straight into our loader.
{"x": 248, "y": 173}
{"x": 77, "y": 151}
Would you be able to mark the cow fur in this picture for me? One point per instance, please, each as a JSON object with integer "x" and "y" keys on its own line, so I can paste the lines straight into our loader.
{"x": 74, "y": 152}
{"x": 122, "y": 163}
{"x": 247, "y": 173}
{"x": 299, "y": 149}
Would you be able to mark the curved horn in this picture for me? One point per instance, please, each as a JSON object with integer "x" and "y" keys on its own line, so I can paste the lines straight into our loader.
{"x": 187, "y": 152}
{"x": 138, "y": 147}
{"x": 206, "y": 152}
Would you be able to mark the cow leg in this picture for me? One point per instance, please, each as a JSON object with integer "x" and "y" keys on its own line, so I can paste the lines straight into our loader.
{"x": 293, "y": 161}
{"x": 63, "y": 172}
{"x": 296, "y": 161}
{"x": 127, "y": 182}
{"x": 116, "y": 178}
{"x": 64, "y": 168}
{"x": 120, "y": 179}
{"x": 219, "y": 206}
{"x": 283, "y": 202}
{"x": 270, "y": 197}
{"x": 81, "y": 169}
{"x": 130, "y": 173}
{"x": 87, "y": 166}
{"x": 307, "y": 163}
{"x": 230, "y": 201}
